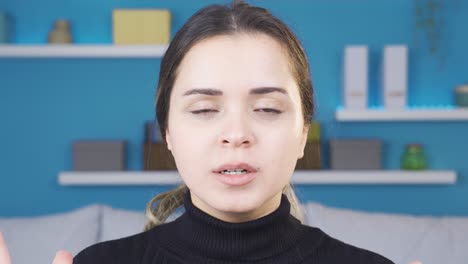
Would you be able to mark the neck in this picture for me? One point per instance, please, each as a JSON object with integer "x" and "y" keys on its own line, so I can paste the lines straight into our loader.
{"x": 238, "y": 217}
{"x": 203, "y": 235}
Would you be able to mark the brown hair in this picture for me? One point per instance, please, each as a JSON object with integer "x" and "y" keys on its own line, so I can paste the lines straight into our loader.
{"x": 216, "y": 20}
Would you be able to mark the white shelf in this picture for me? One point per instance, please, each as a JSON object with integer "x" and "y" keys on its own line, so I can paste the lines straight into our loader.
{"x": 443, "y": 114}
{"x": 299, "y": 177}
{"x": 374, "y": 177}
{"x": 82, "y": 51}
{"x": 119, "y": 178}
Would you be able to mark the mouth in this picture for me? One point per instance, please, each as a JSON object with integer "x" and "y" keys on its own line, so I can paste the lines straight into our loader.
{"x": 236, "y": 174}
{"x": 235, "y": 168}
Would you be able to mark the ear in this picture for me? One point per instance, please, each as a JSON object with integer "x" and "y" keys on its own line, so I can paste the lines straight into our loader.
{"x": 304, "y": 135}
{"x": 168, "y": 140}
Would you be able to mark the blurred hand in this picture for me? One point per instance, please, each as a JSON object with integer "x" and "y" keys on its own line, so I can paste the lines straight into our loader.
{"x": 416, "y": 262}
{"x": 62, "y": 257}
{"x": 4, "y": 255}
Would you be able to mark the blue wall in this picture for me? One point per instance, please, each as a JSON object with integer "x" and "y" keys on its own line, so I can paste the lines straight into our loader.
{"x": 45, "y": 104}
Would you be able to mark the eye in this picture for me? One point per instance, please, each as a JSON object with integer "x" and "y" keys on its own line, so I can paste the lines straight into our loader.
{"x": 263, "y": 110}
{"x": 203, "y": 111}
{"x": 269, "y": 110}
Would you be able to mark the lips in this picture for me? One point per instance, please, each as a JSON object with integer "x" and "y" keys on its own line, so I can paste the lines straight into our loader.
{"x": 236, "y": 179}
{"x": 236, "y": 166}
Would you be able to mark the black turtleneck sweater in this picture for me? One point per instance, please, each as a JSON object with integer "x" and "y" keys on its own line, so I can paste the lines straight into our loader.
{"x": 197, "y": 237}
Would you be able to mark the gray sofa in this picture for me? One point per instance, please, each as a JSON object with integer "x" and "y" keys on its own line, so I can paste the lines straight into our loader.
{"x": 401, "y": 238}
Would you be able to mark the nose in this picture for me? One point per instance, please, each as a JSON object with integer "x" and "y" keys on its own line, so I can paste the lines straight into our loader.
{"x": 237, "y": 132}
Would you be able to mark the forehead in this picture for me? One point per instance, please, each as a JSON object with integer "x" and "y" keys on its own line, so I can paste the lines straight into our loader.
{"x": 235, "y": 62}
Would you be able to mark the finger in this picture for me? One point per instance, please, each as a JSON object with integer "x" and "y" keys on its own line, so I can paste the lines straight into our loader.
{"x": 416, "y": 262}
{"x": 63, "y": 257}
{"x": 4, "y": 255}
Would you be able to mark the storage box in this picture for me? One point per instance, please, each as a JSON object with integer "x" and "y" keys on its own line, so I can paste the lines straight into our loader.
{"x": 152, "y": 132}
{"x": 156, "y": 156}
{"x": 355, "y": 79}
{"x": 99, "y": 155}
{"x": 314, "y": 132}
{"x": 312, "y": 157}
{"x": 395, "y": 76}
{"x": 141, "y": 26}
{"x": 355, "y": 154}
{"x": 461, "y": 96}
{"x": 6, "y": 27}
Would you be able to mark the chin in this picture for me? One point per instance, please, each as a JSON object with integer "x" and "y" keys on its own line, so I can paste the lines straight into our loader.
{"x": 238, "y": 208}
{"x": 236, "y": 203}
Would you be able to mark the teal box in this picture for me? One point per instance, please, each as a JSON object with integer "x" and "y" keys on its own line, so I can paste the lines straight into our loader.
{"x": 5, "y": 27}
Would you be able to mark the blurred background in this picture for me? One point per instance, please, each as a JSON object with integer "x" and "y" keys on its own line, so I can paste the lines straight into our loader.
{"x": 48, "y": 103}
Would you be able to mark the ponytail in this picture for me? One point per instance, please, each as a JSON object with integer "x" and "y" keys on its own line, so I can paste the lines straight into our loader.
{"x": 171, "y": 200}
{"x": 296, "y": 208}
{"x": 168, "y": 202}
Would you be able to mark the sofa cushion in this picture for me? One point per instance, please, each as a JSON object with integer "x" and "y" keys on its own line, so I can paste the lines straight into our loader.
{"x": 117, "y": 223}
{"x": 37, "y": 239}
{"x": 401, "y": 238}
{"x": 447, "y": 242}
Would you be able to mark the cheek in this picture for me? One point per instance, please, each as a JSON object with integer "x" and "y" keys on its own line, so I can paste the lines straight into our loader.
{"x": 281, "y": 144}
{"x": 284, "y": 132}
{"x": 188, "y": 141}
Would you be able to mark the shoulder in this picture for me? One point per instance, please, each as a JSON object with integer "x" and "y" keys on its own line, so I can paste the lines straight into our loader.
{"x": 131, "y": 249}
{"x": 333, "y": 250}
{"x": 124, "y": 249}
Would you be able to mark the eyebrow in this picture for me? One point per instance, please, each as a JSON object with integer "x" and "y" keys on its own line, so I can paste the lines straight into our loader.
{"x": 254, "y": 91}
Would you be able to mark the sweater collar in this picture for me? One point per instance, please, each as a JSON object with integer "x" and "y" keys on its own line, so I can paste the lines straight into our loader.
{"x": 261, "y": 238}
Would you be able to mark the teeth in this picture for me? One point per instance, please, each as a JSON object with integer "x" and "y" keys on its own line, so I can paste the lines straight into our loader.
{"x": 238, "y": 171}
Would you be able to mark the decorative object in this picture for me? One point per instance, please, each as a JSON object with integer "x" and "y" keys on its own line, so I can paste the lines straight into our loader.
{"x": 156, "y": 156}
{"x": 363, "y": 154}
{"x": 60, "y": 33}
{"x": 152, "y": 132}
{"x": 314, "y": 132}
{"x": 429, "y": 22}
{"x": 413, "y": 158}
{"x": 312, "y": 157}
{"x": 355, "y": 71}
{"x": 430, "y": 27}
{"x": 141, "y": 26}
{"x": 5, "y": 27}
{"x": 461, "y": 95}
{"x": 395, "y": 76}
{"x": 94, "y": 155}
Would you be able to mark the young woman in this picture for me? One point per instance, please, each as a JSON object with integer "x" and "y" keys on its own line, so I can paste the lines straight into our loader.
{"x": 234, "y": 105}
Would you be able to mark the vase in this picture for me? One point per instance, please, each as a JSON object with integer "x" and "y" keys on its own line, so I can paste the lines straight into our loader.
{"x": 461, "y": 96}
{"x": 413, "y": 158}
{"x": 60, "y": 34}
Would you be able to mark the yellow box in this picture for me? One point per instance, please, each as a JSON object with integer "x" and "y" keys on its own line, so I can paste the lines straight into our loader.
{"x": 314, "y": 132}
{"x": 141, "y": 26}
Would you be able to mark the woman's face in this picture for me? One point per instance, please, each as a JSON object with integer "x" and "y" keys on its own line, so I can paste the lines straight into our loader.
{"x": 236, "y": 102}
